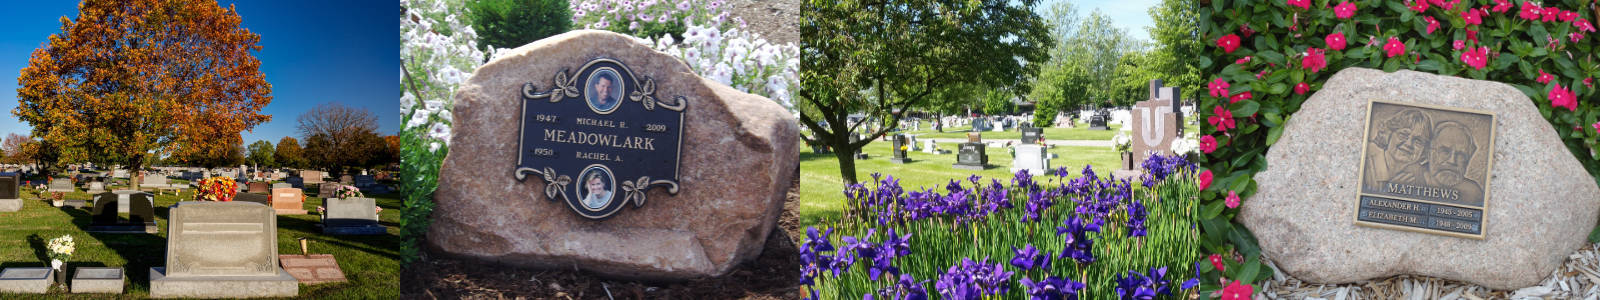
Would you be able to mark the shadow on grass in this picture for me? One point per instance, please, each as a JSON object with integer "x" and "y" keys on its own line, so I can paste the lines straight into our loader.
{"x": 367, "y": 243}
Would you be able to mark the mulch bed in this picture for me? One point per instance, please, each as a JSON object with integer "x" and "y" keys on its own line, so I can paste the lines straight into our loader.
{"x": 773, "y": 275}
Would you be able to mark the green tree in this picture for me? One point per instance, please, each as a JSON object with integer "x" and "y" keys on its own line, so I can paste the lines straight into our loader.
{"x": 261, "y": 154}
{"x": 998, "y": 102}
{"x": 513, "y": 23}
{"x": 1083, "y": 66}
{"x": 289, "y": 154}
{"x": 1177, "y": 46}
{"x": 885, "y": 59}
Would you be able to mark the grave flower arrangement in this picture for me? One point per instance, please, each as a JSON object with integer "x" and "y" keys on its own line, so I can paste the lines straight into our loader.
{"x": 1266, "y": 57}
{"x": 346, "y": 192}
{"x": 60, "y": 250}
{"x": 219, "y": 189}
{"x": 1052, "y": 237}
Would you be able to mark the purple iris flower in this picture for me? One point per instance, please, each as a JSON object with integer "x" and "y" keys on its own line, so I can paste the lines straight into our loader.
{"x": 1029, "y": 258}
{"x": 1136, "y": 218}
{"x": 1052, "y": 288}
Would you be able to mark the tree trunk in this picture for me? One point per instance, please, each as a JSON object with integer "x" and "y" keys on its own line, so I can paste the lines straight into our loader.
{"x": 847, "y": 160}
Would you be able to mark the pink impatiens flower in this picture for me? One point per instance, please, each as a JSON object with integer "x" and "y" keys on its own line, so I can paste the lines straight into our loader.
{"x": 1596, "y": 129}
{"x": 1458, "y": 44}
{"x": 1472, "y": 16}
{"x": 1501, "y": 6}
{"x": 1344, "y": 10}
{"x": 1302, "y": 88}
{"x": 1544, "y": 77}
{"x": 1233, "y": 200}
{"x": 1244, "y": 60}
{"x": 1240, "y": 96}
{"x": 1302, "y": 4}
{"x": 1208, "y": 144}
{"x": 1394, "y": 47}
{"x": 1550, "y": 14}
{"x": 1335, "y": 41}
{"x": 1575, "y": 36}
{"x": 1477, "y": 58}
{"x": 1589, "y": 82}
{"x": 1216, "y": 262}
{"x": 1205, "y": 179}
{"x": 1529, "y": 11}
{"x": 1583, "y": 25}
{"x": 1567, "y": 16}
{"x": 1237, "y": 290}
{"x": 1420, "y": 6}
{"x": 1228, "y": 43}
{"x": 1314, "y": 60}
{"x": 1432, "y": 24}
{"x": 1218, "y": 88}
{"x": 1563, "y": 97}
{"x": 1221, "y": 118}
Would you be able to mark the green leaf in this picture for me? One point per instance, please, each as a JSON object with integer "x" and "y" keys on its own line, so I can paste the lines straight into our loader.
{"x": 1273, "y": 134}
{"x": 1249, "y": 271}
{"x": 1245, "y": 108}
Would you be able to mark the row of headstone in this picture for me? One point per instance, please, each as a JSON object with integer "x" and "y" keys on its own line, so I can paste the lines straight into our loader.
{"x": 973, "y": 154}
{"x": 10, "y": 197}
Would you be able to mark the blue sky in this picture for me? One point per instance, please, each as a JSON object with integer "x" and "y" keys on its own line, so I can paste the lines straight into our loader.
{"x": 312, "y": 52}
{"x": 1131, "y": 15}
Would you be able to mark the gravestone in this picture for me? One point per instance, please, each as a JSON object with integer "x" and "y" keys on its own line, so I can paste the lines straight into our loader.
{"x": 262, "y": 199}
{"x": 313, "y": 268}
{"x": 857, "y": 138}
{"x": 10, "y": 196}
{"x": 295, "y": 182}
{"x": 347, "y": 179}
{"x": 351, "y": 216}
{"x": 119, "y": 173}
{"x": 1032, "y": 158}
{"x": 972, "y": 156}
{"x": 141, "y": 215}
{"x": 95, "y": 187}
{"x": 327, "y": 190}
{"x": 1155, "y": 126}
{"x": 899, "y": 151}
{"x": 260, "y": 187}
{"x": 26, "y": 280}
{"x": 982, "y": 124}
{"x": 156, "y": 181}
{"x": 737, "y": 160}
{"x": 97, "y": 280}
{"x": 364, "y": 181}
{"x": 1099, "y": 119}
{"x": 61, "y": 185}
{"x": 930, "y": 147}
{"x": 1533, "y": 197}
{"x": 222, "y": 250}
{"x": 288, "y": 201}
{"x": 281, "y": 185}
{"x": 1032, "y": 135}
{"x": 311, "y": 177}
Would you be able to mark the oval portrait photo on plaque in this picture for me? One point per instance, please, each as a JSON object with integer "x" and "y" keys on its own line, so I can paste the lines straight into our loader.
{"x": 1426, "y": 168}
{"x": 600, "y": 138}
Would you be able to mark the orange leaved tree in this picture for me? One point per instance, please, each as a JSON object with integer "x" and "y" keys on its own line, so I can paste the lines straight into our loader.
{"x": 132, "y": 79}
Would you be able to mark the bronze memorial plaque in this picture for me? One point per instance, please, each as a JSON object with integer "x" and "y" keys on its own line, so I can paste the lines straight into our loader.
{"x": 1426, "y": 169}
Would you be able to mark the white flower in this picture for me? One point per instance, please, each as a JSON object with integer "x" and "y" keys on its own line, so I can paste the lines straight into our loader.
{"x": 418, "y": 118}
{"x": 441, "y": 132}
{"x": 407, "y": 100}
{"x": 433, "y": 147}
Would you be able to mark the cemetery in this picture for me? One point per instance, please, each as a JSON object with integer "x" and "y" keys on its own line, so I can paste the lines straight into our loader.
{"x": 260, "y": 248}
{"x": 202, "y": 179}
{"x": 1429, "y": 162}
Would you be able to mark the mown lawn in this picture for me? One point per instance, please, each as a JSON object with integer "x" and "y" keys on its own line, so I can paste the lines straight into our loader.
{"x": 821, "y": 187}
{"x": 370, "y": 263}
{"x": 1082, "y": 132}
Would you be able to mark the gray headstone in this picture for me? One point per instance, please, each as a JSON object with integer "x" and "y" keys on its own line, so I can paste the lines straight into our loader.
{"x": 222, "y": 239}
{"x": 281, "y": 185}
{"x": 972, "y": 156}
{"x": 62, "y": 185}
{"x": 1031, "y": 158}
{"x": 25, "y": 280}
{"x": 350, "y": 212}
{"x": 97, "y": 280}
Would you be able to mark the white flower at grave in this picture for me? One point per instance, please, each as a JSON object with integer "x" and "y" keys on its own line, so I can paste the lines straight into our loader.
{"x": 418, "y": 118}
{"x": 407, "y": 100}
{"x": 441, "y": 132}
{"x": 1186, "y": 144}
{"x": 1122, "y": 140}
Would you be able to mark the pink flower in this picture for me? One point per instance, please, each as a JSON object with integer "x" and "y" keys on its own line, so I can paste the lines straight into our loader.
{"x": 1302, "y": 4}
{"x": 1583, "y": 25}
{"x": 1208, "y": 144}
{"x": 1244, "y": 60}
{"x": 1529, "y": 11}
{"x": 1394, "y": 47}
{"x": 1458, "y": 44}
{"x": 1567, "y": 16}
{"x": 1420, "y": 6}
{"x": 1472, "y": 35}
{"x": 1344, "y": 10}
{"x": 1205, "y": 179}
{"x": 1477, "y": 58}
{"x": 1216, "y": 262}
{"x": 1563, "y": 97}
{"x": 1544, "y": 77}
{"x": 1446, "y": 5}
{"x": 1432, "y": 24}
{"x": 1589, "y": 82}
{"x": 1240, "y": 96}
{"x": 1302, "y": 88}
{"x": 1245, "y": 29}
{"x": 1237, "y": 291}
{"x": 1218, "y": 88}
{"x": 1228, "y": 43}
{"x": 1314, "y": 60}
{"x": 1550, "y": 14}
{"x": 1575, "y": 36}
{"x": 1501, "y": 6}
{"x": 1596, "y": 127}
{"x": 1335, "y": 41}
{"x": 1233, "y": 200}
{"x": 1221, "y": 118}
{"x": 1472, "y": 16}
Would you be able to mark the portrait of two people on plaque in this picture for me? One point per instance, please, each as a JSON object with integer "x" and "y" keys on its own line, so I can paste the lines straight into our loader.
{"x": 604, "y": 95}
{"x": 1427, "y": 153}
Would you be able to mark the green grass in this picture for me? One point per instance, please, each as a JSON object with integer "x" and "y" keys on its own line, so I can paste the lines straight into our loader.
{"x": 370, "y": 263}
{"x": 821, "y": 188}
{"x": 1082, "y": 132}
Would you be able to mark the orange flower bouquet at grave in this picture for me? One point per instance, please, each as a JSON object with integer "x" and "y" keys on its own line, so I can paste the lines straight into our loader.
{"x": 220, "y": 189}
